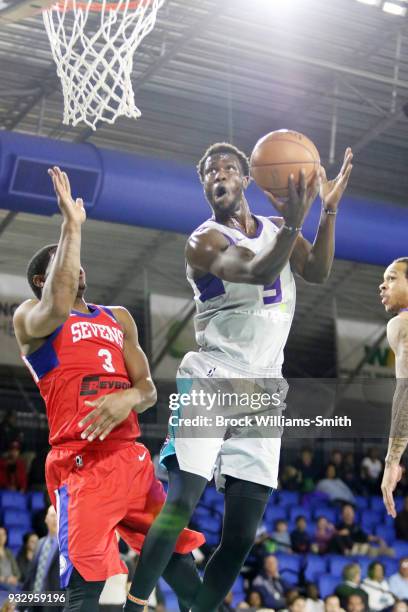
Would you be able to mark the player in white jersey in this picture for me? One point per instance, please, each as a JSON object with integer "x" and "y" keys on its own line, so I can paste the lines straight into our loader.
{"x": 240, "y": 268}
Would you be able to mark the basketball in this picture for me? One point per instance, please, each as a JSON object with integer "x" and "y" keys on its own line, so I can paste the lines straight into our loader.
{"x": 278, "y": 155}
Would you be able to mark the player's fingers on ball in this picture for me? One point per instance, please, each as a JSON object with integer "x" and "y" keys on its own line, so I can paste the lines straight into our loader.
{"x": 293, "y": 193}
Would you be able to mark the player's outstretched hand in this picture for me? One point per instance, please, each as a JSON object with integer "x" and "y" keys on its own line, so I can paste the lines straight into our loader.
{"x": 332, "y": 191}
{"x": 109, "y": 411}
{"x": 72, "y": 210}
{"x": 392, "y": 475}
{"x": 295, "y": 207}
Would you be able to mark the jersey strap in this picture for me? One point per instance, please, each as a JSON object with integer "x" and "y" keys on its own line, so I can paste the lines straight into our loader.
{"x": 209, "y": 286}
{"x": 44, "y": 359}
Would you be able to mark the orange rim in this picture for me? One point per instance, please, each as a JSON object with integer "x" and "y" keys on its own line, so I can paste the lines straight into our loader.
{"x": 97, "y": 6}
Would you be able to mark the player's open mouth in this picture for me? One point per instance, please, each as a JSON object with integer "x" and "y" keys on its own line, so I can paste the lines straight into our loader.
{"x": 220, "y": 192}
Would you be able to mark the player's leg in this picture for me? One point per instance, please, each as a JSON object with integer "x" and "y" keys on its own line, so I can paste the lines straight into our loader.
{"x": 83, "y": 595}
{"x": 184, "y": 491}
{"x": 88, "y": 545}
{"x": 182, "y": 576}
{"x": 245, "y": 504}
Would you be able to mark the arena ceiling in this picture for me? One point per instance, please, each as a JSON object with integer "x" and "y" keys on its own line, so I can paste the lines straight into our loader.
{"x": 228, "y": 70}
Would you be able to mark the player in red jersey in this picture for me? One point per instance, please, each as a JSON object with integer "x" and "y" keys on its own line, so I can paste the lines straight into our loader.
{"x": 94, "y": 378}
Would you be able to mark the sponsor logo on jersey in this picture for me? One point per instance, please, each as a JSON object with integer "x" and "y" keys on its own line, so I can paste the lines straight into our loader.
{"x": 83, "y": 330}
{"x": 91, "y": 385}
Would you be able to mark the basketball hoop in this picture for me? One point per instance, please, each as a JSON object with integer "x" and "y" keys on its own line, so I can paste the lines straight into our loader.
{"x": 93, "y": 43}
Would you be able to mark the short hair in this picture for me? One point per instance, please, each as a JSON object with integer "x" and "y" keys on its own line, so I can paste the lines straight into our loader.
{"x": 370, "y": 570}
{"x": 405, "y": 261}
{"x": 350, "y": 571}
{"x": 219, "y": 148}
{"x": 38, "y": 265}
{"x": 330, "y": 596}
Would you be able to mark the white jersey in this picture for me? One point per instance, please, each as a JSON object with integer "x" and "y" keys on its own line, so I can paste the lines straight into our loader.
{"x": 244, "y": 324}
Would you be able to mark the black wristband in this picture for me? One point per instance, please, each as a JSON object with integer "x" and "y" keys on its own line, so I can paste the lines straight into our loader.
{"x": 329, "y": 212}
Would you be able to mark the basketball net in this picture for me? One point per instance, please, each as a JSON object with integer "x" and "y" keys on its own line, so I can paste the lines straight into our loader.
{"x": 93, "y": 44}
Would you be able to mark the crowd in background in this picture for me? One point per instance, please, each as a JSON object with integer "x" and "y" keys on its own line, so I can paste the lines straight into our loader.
{"x": 338, "y": 479}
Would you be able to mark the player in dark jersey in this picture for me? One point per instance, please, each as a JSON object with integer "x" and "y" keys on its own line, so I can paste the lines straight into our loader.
{"x": 94, "y": 378}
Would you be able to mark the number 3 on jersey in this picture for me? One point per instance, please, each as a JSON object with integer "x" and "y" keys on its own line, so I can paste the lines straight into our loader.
{"x": 107, "y": 364}
{"x": 272, "y": 294}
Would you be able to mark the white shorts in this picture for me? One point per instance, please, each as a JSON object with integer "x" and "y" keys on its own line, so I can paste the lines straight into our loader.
{"x": 231, "y": 442}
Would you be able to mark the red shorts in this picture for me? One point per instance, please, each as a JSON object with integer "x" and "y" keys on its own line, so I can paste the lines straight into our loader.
{"x": 97, "y": 493}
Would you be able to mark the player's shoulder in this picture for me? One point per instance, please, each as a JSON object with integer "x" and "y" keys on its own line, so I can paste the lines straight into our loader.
{"x": 120, "y": 314}
{"x": 24, "y": 308}
{"x": 206, "y": 236}
{"x": 398, "y": 325}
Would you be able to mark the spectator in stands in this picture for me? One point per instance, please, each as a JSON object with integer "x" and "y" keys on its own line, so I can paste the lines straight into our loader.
{"x": 313, "y": 601}
{"x": 400, "y": 606}
{"x": 371, "y": 470}
{"x": 13, "y": 474}
{"x": 44, "y": 574}
{"x": 332, "y": 604}
{"x": 323, "y": 535}
{"x": 336, "y": 458}
{"x": 291, "y": 595}
{"x": 356, "y": 603}
{"x": 8, "y": 606}
{"x": 226, "y": 605}
{"x": 264, "y": 542}
{"x": 26, "y": 554}
{"x": 290, "y": 478}
{"x": 9, "y": 572}
{"x": 298, "y": 605}
{"x": 349, "y": 473}
{"x": 9, "y": 430}
{"x": 351, "y": 539}
{"x": 401, "y": 522}
{"x": 270, "y": 584}
{"x": 399, "y": 582}
{"x": 350, "y": 585}
{"x": 299, "y": 537}
{"x": 36, "y": 475}
{"x": 377, "y": 588}
{"x": 307, "y": 469}
{"x": 281, "y": 536}
{"x": 334, "y": 487}
{"x": 255, "y": 601}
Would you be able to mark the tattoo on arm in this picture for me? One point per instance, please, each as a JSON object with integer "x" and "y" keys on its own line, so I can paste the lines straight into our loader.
{"x": 399, "y": 423}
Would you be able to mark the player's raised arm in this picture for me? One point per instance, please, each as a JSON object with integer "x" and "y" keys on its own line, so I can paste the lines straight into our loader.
{"x": 210, "y": 251}
{"x": 57, "y": 288}
{"x": 397, "y": 334}
{"x": 110, "y": 410}
{"x": 314, "y": 262}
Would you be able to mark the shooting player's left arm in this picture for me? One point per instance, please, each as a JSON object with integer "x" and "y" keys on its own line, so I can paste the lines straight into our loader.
{"x": 143, "y": 389}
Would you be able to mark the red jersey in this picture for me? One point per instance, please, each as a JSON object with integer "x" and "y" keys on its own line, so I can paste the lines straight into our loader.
{"x": 80, "y": 361}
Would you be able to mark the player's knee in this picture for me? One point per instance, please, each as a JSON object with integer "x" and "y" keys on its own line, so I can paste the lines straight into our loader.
{"x": 238, "y": 543}
{"x": 176, "y": 514}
